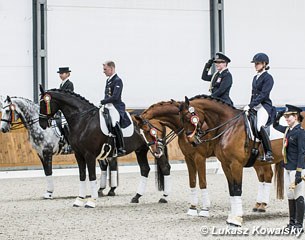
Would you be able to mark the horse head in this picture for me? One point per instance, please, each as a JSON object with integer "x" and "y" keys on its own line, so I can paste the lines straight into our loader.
{"x": 192, "y": 122}
{"x": 153, "y": 133}
{"x": 9, "y": 113}
{"x": 48, "y": 107}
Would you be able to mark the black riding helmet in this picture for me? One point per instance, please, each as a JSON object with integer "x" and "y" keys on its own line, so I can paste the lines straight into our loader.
{"x": 260, "y": 57}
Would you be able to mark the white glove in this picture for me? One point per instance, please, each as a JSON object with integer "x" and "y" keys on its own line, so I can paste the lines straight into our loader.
{"x": 246, "y": 108}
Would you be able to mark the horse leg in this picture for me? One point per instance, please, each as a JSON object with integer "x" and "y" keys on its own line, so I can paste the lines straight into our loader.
{"x": 264, "y": 174}
{"x": 103, "y": 180}
{"x": 113, "y": 178}
{"x": 192, "y": 183}
{"x": 91, "y": 165}
{"x": 163, "y": 177}
{"x": 46, "y": 161}
{"x": 144, "y": 168}
{"x": 80, "y": 200}
{"x": 234, "y": 172}
{"x": 201, "y": 169}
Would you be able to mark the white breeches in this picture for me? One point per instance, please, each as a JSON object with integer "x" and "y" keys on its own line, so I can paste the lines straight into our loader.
{"x": 115, "y": 116}
{"x": 289, "y": 178}
{"x": 262, "y": 117}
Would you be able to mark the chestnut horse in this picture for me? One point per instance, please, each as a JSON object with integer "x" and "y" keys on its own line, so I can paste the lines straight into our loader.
{"x": 231, "y": 145}
{"x": 152, "y": 122}
{"x": 87, "y": 139}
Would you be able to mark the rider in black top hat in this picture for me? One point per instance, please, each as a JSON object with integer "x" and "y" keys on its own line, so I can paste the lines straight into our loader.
{"x": 64, "y": 74}
{"x": 294, "y": 153}
{"x": 66, "y": 84}
{"x": 221, "y": 81}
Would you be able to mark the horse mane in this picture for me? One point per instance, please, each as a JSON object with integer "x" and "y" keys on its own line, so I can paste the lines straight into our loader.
{"x": 72, "y": 94}
{"x": 211, "y": 98}
{"x": 159, "y": 104}
{"x": 26, "y": 99}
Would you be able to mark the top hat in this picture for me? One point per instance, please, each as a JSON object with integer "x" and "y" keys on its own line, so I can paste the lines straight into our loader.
{"x": 63, "y": 70}
{"x": 221, "y": 57}
{"x": 290, "y": 109}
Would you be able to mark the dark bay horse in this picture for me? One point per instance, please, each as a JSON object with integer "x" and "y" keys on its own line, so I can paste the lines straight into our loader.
{"x": 45, "y": 142}
{"x": 231, "y": 144}
{"x": 87, "y": 139}
{"x": 152, "y": 122}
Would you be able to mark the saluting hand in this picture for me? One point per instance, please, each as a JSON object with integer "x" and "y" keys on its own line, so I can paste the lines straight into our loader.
{"x": 279, "y": 115}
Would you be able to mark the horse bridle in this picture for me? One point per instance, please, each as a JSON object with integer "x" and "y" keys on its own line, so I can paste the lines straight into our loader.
{"x": 161, "y": 143}
{"x": 199, "y": 133}
{"x": 12, "y": 119}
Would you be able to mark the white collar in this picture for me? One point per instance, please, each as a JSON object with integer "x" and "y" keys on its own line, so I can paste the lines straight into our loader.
{"x": 260, "y": 73}
{"x": 111, "y": 77}
{"x": 64, "y": 81}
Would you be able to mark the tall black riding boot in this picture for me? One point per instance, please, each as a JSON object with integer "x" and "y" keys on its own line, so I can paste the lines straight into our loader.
{"x": 292, "y": 212}
{"x": 266, "y": 145}
{"x": 119, "y": 140}
{"x": 299, "y": 215}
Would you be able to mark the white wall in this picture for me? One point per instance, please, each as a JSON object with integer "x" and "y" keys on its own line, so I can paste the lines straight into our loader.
{"x": 16, "y": 61}
{"x": 159, "y": 46}
{"x": 275, "y": 27}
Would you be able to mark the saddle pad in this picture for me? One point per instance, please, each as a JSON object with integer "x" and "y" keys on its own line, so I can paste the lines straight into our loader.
{"x": 127, "y": 132}
{"x": 274, "y": 134}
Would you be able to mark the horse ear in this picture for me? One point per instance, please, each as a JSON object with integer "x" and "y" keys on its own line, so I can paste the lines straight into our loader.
{"x": 138, "y": 119}
{"x": 187, "y": 101}
{"x": 41, "y": 89}
{"x": 8, "y": 99}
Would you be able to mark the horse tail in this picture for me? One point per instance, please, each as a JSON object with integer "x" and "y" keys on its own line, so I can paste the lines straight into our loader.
{"x": 159, "y": 173}
{"x": 279, "y": 180}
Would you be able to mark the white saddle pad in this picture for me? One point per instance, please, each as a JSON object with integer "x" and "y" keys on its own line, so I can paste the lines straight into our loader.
{"x": 115, "y": 117}
{"x": 274, "y": 134}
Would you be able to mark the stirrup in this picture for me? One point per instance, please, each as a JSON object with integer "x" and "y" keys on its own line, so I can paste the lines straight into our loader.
{"x": 266, "y": 157}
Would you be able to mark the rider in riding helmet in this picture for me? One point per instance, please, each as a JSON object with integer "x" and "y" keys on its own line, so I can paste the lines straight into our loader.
{"x": 221, "y": 80}
{"x": 260, "y": 101}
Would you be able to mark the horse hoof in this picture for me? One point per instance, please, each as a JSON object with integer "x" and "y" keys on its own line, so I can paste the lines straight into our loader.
{"x": 48, "y": 195}
{"x": 162, "y": 200}
{"x": 79, "y": 202}
{"x": 204, "y": 212}
{"x": 234, "y": 221}
{"x": 262, "y": 208}
{"x": 255, "y": 208}
{"x": 134, "y": 200}
{"x": 100, "y": 194}
{"x": 90, "y": 203}
{"x": 192, "y": 212}
{"x": 111, "y": 194}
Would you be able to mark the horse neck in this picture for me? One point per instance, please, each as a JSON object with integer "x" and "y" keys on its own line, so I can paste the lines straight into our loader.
{"x": 214, "y": 113}
{"x": 168, "y": 114}
{"x": 28, "y": 111}
{"x": 70, "y": 105}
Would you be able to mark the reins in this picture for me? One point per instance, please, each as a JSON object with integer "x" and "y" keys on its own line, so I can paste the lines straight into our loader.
{"x": 220, "y": 126}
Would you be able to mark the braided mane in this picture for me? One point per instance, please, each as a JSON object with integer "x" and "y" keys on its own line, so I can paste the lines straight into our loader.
{"x": 212, "y": 98}
{"x": 72, "y": 94}
{"x": 159, "y": 104}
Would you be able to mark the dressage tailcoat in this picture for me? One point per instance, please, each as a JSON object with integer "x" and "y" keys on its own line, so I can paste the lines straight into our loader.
{"x": 68, "y": 85}
{"x": 113, "y": 94}
{"x": 261, "y": 89}
{"x": 221, "y": 84}
{"x": 295, "y": 146}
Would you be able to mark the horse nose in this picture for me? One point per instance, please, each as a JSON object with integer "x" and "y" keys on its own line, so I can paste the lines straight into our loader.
{"x": 3, "y": 130}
